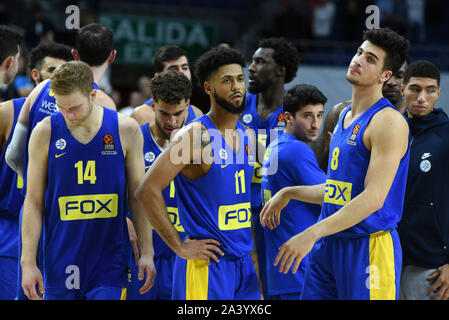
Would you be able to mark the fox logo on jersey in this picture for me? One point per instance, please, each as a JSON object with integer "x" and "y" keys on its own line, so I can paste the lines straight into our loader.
{"x": 85, "y": 207}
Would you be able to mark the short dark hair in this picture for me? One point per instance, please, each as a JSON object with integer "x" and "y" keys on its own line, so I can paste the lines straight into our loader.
{"x": 285, "y": 54}
{"x": 48, "y": 49}
{"x": 166, "y": 53}
{"x": 395, "y": 46}
{"x": 94, "y": 43}
{"x": 171, "y": 87}
{"x": 10, "y": 40}
{"x": 213, "y": 59}
{"x": 422, "y": 69}
{"x": 301, "y": 95}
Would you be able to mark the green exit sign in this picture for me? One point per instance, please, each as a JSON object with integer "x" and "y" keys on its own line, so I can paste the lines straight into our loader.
{"x": 137, "y": 38}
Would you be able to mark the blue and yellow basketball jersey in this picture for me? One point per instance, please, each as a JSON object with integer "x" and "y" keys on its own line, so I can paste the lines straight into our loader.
{"x": 85, "y": 208}
{"x": 348, "y": 164}
{"x": 10, "y": 197}
{"x": 278, "y": 172}
{"x": 251, "y": 119}
{"x": 151, "y": 150}
{"x": 43, "y": 106}
{"x": 218, "y": 205}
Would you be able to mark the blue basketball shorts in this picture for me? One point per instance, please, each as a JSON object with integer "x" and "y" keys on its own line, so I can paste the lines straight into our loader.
{"x": 230, "y": 279}
{"x": 162, "y": 288}
{"x": 354, "y": 268}
{"x": 98, "y": 293}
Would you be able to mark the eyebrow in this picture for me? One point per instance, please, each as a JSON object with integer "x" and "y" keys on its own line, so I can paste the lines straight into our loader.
{"x": 231, "y": 76}
{"x": 370, "y": 53}
{"x": 432, "y": 86}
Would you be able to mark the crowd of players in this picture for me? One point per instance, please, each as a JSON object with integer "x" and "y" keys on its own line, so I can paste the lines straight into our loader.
{"x": 77, "y": 207}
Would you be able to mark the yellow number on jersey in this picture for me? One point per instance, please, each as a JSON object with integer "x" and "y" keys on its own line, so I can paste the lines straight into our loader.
{"x": 88, "y": 174}
{"x": 240, "y": 182}
{"x": 334, "y": 160}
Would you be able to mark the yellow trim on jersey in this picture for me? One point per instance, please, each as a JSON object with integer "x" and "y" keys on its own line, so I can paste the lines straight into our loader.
{"x": 197, "y": 280}
{"x": 382, "y": 266}
{"x": 124, "y": 294}
{"x": 91, "y": 206}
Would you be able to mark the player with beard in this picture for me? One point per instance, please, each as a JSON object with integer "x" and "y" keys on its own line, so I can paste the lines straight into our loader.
{"x": 354, "y": 247}
{"x": 274, "y": 64}
{"x": 211, "y": 159}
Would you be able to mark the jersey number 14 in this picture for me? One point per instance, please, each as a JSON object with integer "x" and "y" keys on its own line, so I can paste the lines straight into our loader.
{"x": 87, "y": 174}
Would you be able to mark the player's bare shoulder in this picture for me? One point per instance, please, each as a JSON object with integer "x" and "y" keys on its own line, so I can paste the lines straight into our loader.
{"x": 143, "y": 114}
{"x": 40, "y": 137}
{"x": 387, "y": 126}
{"x": 130, "y": 132}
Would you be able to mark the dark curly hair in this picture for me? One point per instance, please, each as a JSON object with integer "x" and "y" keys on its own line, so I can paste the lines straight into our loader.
{"x": 213, "y": 59}
{"x": 171, "y": 87}
{"x": 49, "y": 49}
{"x": 301, "y": 95}
{"x": 94, "y": 43}
{"x": 395, "y": 46}
{"x": 10, "y": 40}
{"x": 285, "y": 54}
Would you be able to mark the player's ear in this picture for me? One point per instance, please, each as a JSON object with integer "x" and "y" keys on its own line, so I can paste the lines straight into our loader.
{"x": 112, "y": 56}
{"x": 386, "y": 75}
{"x": 280, "y": 71}
{"x": 288, "y": 117}
{"x": 207, "y": 87}
{"x": 35, "y": 76}
{"x": 75, "y": 55}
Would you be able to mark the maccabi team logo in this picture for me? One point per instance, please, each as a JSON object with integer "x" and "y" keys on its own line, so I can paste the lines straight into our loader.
{"x": 150, "y": 156}
{"x": 247, "y": 118}
{"x": 223, "y": 154}
{"x": 60, "y": 144}
{"x": 355, "y": 131}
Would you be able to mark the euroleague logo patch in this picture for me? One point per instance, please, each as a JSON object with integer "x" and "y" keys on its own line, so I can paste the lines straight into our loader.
{"x": 355, "y": 131}
{"x": 108, "y": 145}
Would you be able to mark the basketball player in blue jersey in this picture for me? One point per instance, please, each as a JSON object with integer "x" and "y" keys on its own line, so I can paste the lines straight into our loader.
{"x": 274, "y": 64}
{"x": 303, "y": 107}
{"x": 78, "y": 202}
{"x": 354, "y": 248}
{"x": 211, "y": 159}
{"x": 321, "y": 145}
{"x": 171, "y": 94}
{"x": 168, "y": 57}
{"x": 94, "y": 45}
{"x": 43, "y": 59}
{"x": 10, "y": 41}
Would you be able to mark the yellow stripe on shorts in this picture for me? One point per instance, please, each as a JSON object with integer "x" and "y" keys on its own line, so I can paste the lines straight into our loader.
{"x": 382, "y": 266}
{"x": 124, "y": 294}
{"x": 197, "y": 280}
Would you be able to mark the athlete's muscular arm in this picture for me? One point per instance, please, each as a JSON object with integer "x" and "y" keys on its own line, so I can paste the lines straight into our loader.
{"x": 271, "y": 213}
{"x": 387, "y": 138}
{"x": 143, "y": 114}
{"x": 33, "y": 209}
{"x": 16, "y": 149}
{"x": 132, "y": 141}
{"x": 184, "y": 153}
